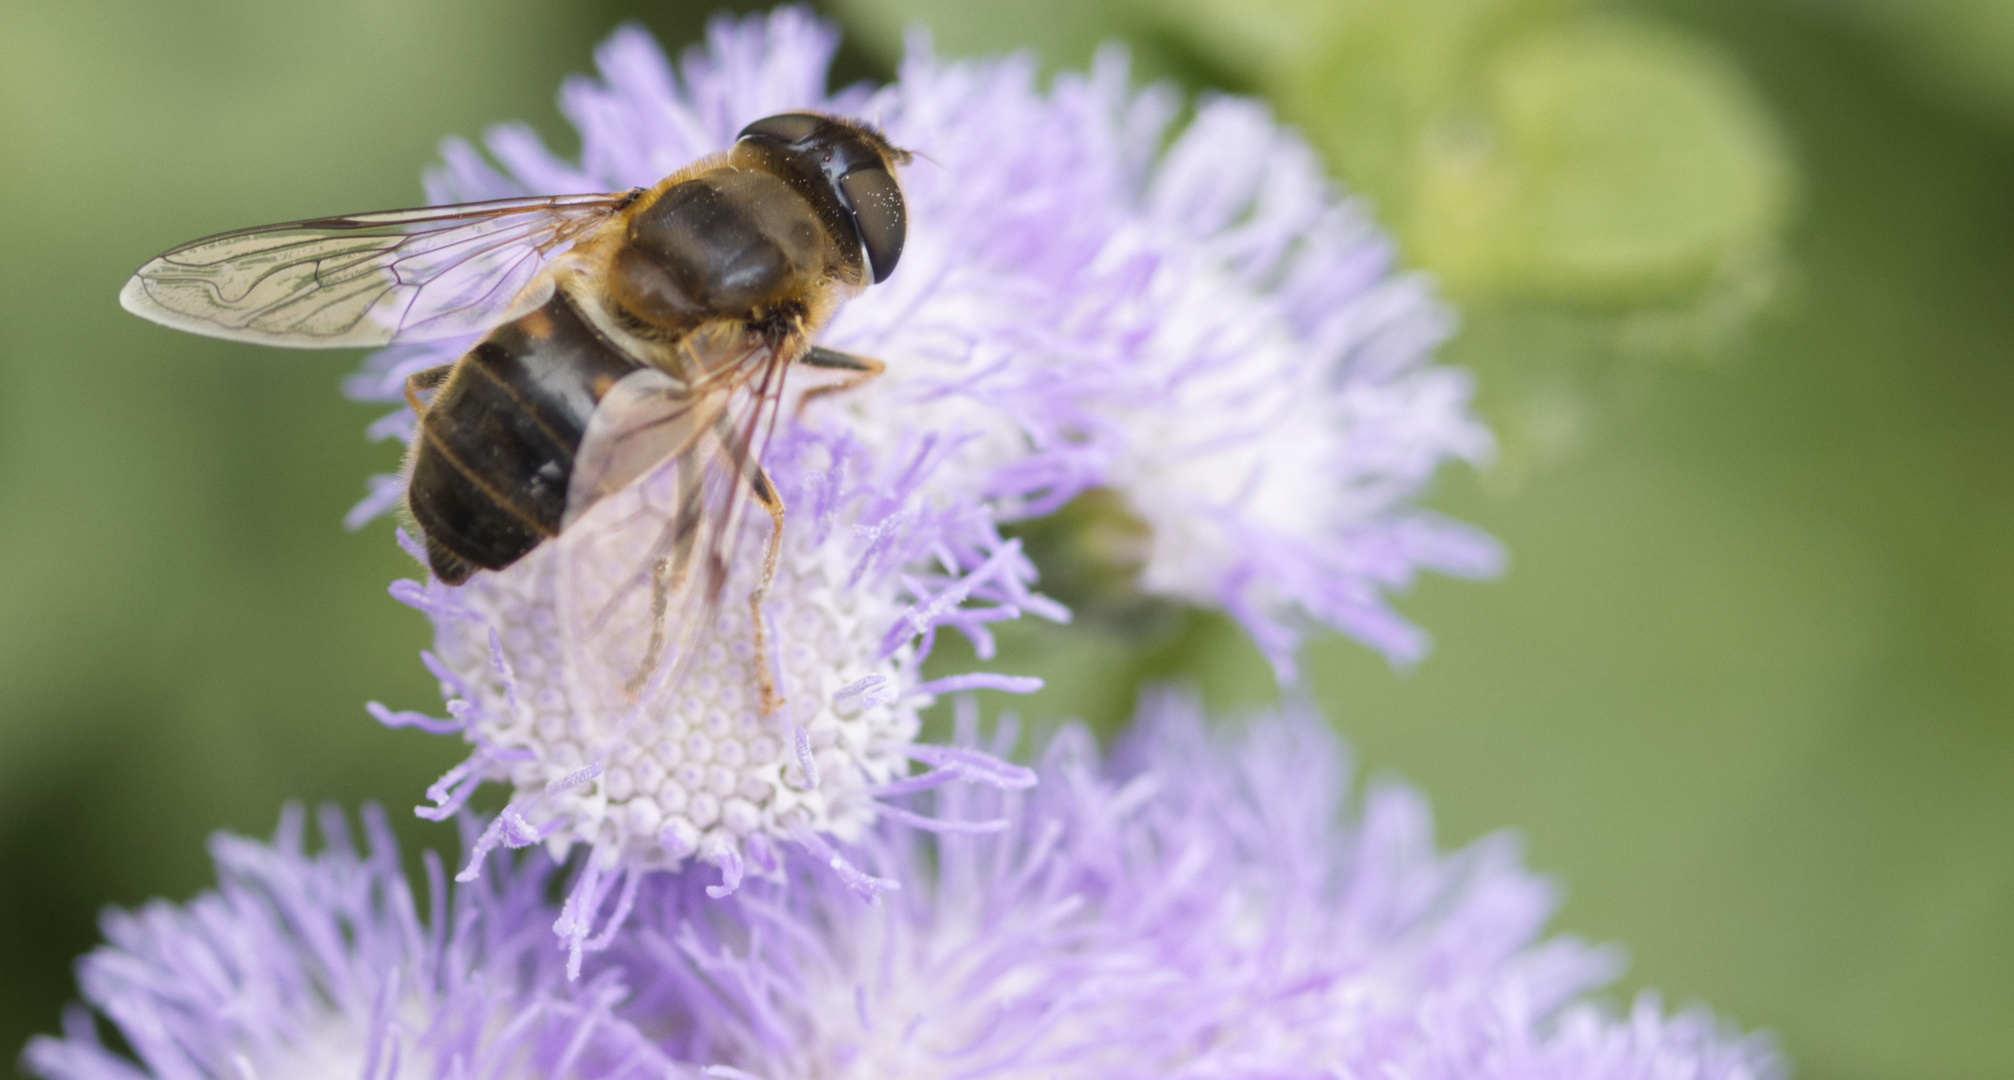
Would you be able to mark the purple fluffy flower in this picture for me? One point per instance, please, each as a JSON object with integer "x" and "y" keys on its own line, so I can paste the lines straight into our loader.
{"x": 300, "y": 966}
{"x": 701, "y": 771}
{"x": 879, "y": 549}
{"x": 1198, "y": 906}
{"x": 1205, "y": 331}
{"x": 1189, "y": 319}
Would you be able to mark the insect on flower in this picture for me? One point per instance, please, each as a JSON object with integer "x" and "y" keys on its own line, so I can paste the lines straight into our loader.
{"x": 626, "y": 333}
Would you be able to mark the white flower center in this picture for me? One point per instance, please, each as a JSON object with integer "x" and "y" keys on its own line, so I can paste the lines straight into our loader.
{"x": 699, "y": 768}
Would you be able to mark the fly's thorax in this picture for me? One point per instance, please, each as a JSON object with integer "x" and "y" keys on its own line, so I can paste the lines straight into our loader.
{"x": 729, "y": 243}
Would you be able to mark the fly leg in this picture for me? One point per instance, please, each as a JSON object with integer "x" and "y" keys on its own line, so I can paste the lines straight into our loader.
{"x": 420, "y": 382}
{"x": 669, "y": 571}
{"x": 445, "y": 563}
{"x": 861, "y": 369}
{"x": 764, "y": 491}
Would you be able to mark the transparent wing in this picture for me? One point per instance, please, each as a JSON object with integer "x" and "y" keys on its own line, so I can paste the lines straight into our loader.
{"x": 367, "y": 279}
{"x": 658, "y": 535}
{"x": 645, "y": 420}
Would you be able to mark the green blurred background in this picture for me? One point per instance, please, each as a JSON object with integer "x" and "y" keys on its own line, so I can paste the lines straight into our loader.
{"x": 1738, "y": 278}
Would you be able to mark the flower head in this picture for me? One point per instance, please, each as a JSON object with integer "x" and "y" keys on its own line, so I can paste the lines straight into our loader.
{"x": 1197, "y": 906}
{"x": 1191, "y": 320}
{"x": 301, "y": 966}
{"x": 649, "y": 782}
{"x": 1206, "y": 332}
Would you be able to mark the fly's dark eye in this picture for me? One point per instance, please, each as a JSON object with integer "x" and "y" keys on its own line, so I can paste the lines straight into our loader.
{"x": 784, "y": 128}
{"x": 843, "y": 169}
{"x": 880, "y": 216}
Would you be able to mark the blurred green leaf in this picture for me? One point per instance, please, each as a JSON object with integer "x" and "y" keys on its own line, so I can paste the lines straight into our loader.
{"x": 1253, "y": 37}
{"x": 1064, "y": 32}
{"x": 1370, "y": 79}
{"x": 1964, "y": 49}
{"x": 1619, "y": 164}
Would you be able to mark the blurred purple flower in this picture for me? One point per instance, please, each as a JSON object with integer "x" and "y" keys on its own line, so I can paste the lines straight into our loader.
{"x": 1198, "y": 906}
{"x": 322, "y": 965}
{"x": 1190, "y": 319}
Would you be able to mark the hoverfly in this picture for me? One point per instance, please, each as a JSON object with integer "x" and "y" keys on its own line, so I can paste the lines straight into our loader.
{"x": 627, "y": 333}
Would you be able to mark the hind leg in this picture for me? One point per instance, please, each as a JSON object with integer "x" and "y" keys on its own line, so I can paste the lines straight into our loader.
{"x": 670, "y": 568}
{"x": 765, "y": 494}
{"x": 420, "y": 382}
{"x": 764, "y": 491}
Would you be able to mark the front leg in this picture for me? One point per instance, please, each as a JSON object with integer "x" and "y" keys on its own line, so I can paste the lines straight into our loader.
{"x": 862, "y": 368}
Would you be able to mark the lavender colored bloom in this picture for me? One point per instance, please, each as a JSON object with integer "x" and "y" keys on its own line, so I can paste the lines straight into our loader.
{"x": 301, "y": 966}
{"x": 702, "y": 772}
{"x": 1191, "y": 320}
{"x": 1198, "y": 906}
{"x": 1206, "y": 331}
{"x": 879, "y": 553}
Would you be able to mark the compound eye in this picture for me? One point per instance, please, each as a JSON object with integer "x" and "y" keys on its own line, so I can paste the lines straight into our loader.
{"x": 786, "y": 128}
{"x": 879, "y": 214}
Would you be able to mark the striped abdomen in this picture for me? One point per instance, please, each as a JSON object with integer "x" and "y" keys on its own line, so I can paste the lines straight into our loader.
{"x": 489, "y": 472}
